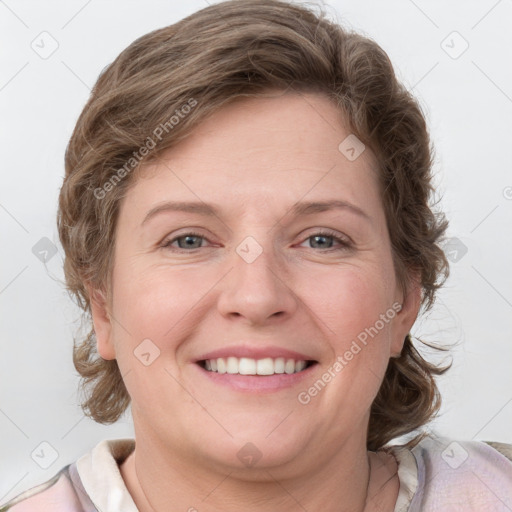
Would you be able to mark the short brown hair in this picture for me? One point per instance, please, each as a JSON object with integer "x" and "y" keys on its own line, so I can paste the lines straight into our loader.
{"x": 230, "y": 50}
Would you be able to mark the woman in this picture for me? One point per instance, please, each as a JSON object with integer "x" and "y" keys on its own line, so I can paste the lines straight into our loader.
{"x": 245, "y": 215}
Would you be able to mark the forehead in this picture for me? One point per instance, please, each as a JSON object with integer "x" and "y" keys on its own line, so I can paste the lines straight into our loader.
{"x": 267, "y": 150}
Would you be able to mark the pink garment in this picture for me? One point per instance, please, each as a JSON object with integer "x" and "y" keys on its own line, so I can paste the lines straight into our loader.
{"x": 437, "y": 475}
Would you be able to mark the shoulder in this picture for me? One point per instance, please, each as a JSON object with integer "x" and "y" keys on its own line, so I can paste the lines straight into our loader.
{"x": 86, "y": 485}
{"x": 59, "y": 494}
{"x": 503, "y": 448}
{"x": 442, "y": 473}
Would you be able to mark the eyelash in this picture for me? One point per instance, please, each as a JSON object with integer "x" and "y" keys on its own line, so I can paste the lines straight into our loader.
{"x": 345, "y": 244}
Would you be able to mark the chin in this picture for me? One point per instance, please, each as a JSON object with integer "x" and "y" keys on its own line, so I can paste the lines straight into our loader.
{"x": 259, "y": 444}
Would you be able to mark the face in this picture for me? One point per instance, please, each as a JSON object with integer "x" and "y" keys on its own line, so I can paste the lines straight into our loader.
{"x": 304, "y": 295}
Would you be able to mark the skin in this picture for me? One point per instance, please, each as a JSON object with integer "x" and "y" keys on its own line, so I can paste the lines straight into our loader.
{"x": 255, "y": 159}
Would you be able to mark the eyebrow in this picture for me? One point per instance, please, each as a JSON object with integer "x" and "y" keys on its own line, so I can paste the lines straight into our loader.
{"x": 304, "y": 208}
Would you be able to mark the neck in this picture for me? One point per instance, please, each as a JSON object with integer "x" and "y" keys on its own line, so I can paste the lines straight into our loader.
{"x": 350, "y": 481}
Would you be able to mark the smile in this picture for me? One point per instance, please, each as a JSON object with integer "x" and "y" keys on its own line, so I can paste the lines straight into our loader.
{"x": 248, "y": 366}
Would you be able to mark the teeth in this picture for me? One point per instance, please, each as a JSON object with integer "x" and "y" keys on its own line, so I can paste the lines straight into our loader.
{"x": 299, "y": 366}
{"x": 279, "y": 365}
{"x": 232, "y": 365}
{"x": 289, "y": 367}
{"x": 221, "y": 365}
{"x": 247, "y": 366}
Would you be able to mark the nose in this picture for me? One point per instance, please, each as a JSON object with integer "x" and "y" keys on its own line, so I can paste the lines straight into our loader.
{"x": 258, "y": 287}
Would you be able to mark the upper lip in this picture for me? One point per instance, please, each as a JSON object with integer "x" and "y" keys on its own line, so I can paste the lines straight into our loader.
{"x": 255, "y": 353}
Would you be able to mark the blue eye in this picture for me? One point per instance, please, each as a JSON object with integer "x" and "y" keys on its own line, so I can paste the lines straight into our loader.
{"x": 318, "y": 237}
{"x": 190, "y": 244}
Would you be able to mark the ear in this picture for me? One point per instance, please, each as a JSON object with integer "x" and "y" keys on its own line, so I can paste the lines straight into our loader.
{"x": 405, "y": 318}
{"x": 102, "y": 322}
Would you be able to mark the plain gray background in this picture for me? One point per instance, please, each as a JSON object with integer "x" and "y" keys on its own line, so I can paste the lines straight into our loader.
{"x": 455, "y": 57}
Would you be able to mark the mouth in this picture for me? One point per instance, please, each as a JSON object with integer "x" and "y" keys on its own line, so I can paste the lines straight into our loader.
{"x": 256, "y": 369}
{"x": 264, "y": 367}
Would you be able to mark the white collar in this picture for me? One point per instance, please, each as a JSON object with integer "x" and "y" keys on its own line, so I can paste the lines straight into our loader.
{"x": 101, "y": 476}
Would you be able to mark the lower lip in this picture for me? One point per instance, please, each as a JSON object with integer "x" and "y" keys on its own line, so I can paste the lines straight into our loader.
{"x": 258, "y": 383}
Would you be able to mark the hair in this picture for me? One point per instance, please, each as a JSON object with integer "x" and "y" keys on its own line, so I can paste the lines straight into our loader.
{"x": 166, "y": 82}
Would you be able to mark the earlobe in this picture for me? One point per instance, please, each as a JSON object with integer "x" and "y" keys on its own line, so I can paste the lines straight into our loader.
{"x": 404, "y": 320}
{"x": 102, "y": 323}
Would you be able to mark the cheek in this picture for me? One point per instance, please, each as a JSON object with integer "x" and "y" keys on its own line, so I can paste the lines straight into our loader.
{"x": 154, "y": 303}
{"x": 358, "y": 335}
{"x": 153, "y": 315}
{"x": 352, "y": 300}
{"x": 359, "y": 339}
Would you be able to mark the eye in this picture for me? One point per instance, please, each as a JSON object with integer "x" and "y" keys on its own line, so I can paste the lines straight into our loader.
{"x": 188, "y": 243}
{"x": 320, "y": 237}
